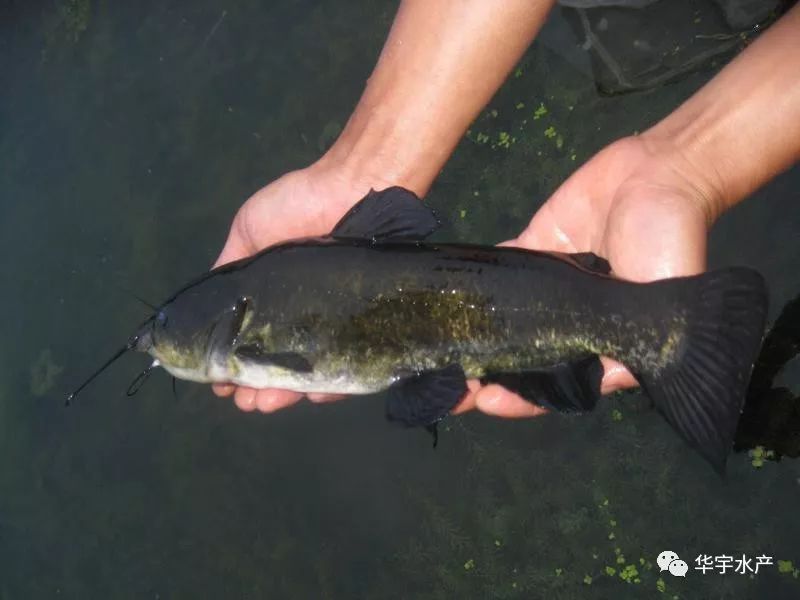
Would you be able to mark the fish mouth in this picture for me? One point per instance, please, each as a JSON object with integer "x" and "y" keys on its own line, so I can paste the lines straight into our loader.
{"x": 142, "y": 340}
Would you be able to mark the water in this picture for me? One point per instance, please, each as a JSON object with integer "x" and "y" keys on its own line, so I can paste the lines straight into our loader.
{"x": 129, "y": 136}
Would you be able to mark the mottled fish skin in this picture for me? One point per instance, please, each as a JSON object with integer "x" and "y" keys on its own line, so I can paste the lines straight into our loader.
{"x": 365, "y": 314}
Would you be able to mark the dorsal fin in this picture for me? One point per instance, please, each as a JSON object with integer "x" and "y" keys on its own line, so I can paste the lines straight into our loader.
{"x": 391, "y": 214}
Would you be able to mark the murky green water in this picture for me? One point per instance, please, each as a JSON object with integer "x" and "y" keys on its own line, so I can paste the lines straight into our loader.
{"x": 129, "y": 135}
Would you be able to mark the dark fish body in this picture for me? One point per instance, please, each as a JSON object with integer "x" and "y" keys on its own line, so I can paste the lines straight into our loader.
{"x": 363, "y": 314}
{"x": 374, "y": 306}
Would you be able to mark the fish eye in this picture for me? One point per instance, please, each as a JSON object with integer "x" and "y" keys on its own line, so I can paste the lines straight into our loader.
{"x": 161, "y": 318}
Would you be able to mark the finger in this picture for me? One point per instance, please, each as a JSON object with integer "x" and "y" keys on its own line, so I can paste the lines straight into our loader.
{"x": 234, "y": 249}
{"x": 544, "y": 232}
{"x": 615, "y": 376}
{"x": 497, "y": 401}
{"x": 468, "y": 402}
{"x": 245, "y": 399}
{"x": 223, "y": 389}
{"x": 270, "y": 400}
{"x": 322, "y": 398}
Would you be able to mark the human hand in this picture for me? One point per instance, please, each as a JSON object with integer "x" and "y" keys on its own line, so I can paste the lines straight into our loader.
{"x": 646, "y": 203}
{"x": 642, "y": 207}
{"x": 302, "y": 203}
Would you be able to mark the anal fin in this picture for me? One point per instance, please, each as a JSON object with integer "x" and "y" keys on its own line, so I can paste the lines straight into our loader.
{"x": 572, "y": 387}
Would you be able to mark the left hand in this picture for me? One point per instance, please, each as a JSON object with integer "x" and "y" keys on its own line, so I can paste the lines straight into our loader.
{"x": 302, "y": 203}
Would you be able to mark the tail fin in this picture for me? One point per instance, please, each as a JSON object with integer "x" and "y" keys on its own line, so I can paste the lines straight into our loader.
{"x": 702, "y": 393}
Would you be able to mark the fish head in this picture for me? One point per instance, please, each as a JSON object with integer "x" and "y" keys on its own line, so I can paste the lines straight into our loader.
{"x": 194, "y": 332}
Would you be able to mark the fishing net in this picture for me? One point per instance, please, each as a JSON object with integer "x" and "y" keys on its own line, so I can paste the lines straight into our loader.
{"x": 641, "y": 44}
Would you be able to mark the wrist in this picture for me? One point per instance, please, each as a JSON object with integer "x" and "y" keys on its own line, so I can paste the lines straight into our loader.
{"x": 743, "y": 127}
{"x": 341, "y": 179}
{"x": 689, "y": 167}
{"x": 377, "y": 150}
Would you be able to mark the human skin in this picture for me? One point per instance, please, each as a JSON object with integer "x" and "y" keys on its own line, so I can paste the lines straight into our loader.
{"x": 646, "y": 203}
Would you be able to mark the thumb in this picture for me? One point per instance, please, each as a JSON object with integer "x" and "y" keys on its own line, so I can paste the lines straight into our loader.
{"x": 234, "y": 249}
{"x": 544, "y": 233}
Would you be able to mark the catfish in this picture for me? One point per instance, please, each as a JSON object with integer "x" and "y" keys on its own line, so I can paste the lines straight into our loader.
{"x": 375, "y": 306}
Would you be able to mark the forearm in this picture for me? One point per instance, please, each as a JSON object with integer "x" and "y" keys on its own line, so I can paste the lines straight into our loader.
{"x": 442, "y": 62}
{"x": 743, "y": 127}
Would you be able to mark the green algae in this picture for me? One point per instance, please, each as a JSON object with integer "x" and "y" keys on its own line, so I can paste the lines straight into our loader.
{"x": 787, "y": 567}
{"x": 759, "y": 455}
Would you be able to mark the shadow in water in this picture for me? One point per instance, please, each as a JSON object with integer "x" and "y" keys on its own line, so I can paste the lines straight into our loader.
{"x": 771, "y": 416}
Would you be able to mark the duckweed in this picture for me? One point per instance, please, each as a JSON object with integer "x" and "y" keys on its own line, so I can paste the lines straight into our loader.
{"x": 630, "y": 574}
{"x": 759, "y": 454}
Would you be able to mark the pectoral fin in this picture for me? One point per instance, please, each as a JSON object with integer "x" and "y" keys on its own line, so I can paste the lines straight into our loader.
{"x": 230, "y": 324}
{"x": 426, "y": 398}
{"x": 568, "y": 387}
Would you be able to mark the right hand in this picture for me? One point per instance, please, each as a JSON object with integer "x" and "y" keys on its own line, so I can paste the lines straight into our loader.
{"x": 641, "y": 206}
